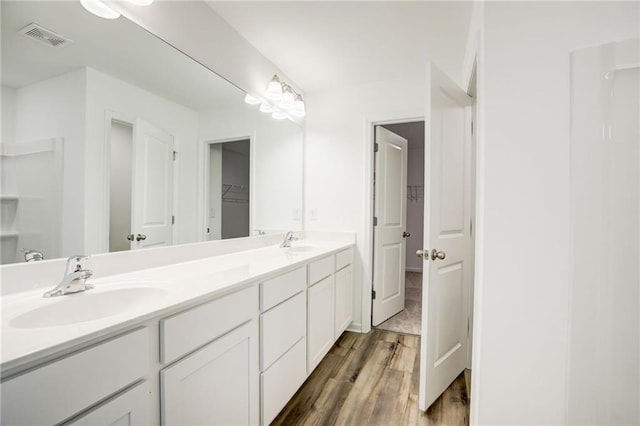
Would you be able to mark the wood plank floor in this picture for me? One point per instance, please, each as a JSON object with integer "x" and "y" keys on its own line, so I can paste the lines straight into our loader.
{"x": 372, "y": 379}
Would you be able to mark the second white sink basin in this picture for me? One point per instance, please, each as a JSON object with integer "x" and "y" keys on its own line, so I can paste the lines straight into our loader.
{"x": 86, "y": 306}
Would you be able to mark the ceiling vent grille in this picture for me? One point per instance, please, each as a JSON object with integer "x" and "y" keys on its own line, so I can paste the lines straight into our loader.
{"x": 45, "y": 36}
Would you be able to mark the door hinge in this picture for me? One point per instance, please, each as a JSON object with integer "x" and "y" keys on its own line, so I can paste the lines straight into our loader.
{"x": 376, "y": 147}
{"x": 373, "y": 294}
{"x": 375, "y": 221}
{"x": 174, "y": 155}
{"x": 173, "y": 220}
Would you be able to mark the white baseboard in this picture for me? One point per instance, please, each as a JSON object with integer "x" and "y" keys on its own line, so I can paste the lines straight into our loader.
{"x": 356, "y": 327}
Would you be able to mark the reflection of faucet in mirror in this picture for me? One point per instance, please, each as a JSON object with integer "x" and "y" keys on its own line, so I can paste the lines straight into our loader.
{"x": 34, "y": 255}
{"x": 75, "y": 277}
{"x": 288, "y": 237}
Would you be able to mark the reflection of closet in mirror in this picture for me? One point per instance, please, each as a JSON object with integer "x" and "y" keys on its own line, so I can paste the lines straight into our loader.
{"x": 228, "y": 181}
{"x": 141, "y": 158}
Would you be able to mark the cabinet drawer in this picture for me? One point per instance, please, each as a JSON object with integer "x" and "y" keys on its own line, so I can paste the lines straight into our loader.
{"x": 280, "y": 382}
{"x": 281, "y": 327}
{"x": 344, "y": 258}
{"x": 320, "y": 269}
{"x": 186, "y": 331}
{"x": 53, "y": 393}
{"x": 130, "y": 408}
{"x": 281, "y": 288}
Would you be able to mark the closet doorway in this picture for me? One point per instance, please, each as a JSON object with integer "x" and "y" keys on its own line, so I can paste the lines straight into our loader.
{"x": 398, "y": 304}
{"x": 227, "y": 189}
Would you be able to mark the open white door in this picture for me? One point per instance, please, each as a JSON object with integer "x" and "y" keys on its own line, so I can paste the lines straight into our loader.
{"x": 447, "y": 245}
{"x": 152, "y": 192}
{"x": 391, "y": 216}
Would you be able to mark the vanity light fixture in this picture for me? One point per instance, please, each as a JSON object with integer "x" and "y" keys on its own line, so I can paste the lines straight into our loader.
{"x": 279, "y": 115}
{"x": 282, "y": 101}
{"x": 251, "y": 100}
{"x": 99, "y": 8}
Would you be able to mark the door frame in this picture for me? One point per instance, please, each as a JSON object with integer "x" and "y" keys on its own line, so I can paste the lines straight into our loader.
{"x": 204, "y": 181}
{"x": 369, "y": 166}
{"x": 129, "y": 120}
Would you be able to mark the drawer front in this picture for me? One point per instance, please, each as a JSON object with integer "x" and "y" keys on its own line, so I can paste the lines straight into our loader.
{"x": 281, "y": 288}
{"x": 320, "y": 269}
{"x": 281, "y": 328}
{"x": 187, "y": 331}
{"x": 344, "y": 258}
{"x": 280, "y": 382}
{"x": 53, "y": 393}
{"x": 130, "y": 408}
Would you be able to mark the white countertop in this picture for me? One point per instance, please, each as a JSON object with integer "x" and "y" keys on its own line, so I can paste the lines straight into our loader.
{"x": 178, "y": 286}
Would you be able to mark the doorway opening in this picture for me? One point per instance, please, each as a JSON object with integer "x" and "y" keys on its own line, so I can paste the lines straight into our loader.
{"x": 120, "y": 185}
{"x": 408, "y": 318}
{"x": 227, "y": 189}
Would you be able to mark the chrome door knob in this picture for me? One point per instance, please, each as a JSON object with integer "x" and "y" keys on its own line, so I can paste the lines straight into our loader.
{"x": 435, "y": 254}
{"x": 141, "y": 237}
{"x": 422, "y": 254}
{"x": 131, "y": 237}
{"x": 406, "y": 234}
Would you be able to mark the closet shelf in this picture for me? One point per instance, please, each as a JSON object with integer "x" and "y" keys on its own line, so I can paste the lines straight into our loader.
{"x": 415, "y": 193}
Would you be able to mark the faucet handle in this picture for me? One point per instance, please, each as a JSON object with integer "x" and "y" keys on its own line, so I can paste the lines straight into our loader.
{"x": 76, "y": 263}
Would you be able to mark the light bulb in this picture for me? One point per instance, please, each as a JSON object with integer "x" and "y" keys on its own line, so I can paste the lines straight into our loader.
{"x": 264, "y": 107}
{"x": 274, "y": 89}
{"x": 287, "y": 101}
{"x": 100, "y": 9}
{"x": 298, "y": 109}
{"x": 279, "y": 115}
{"x": 251, "y": 100}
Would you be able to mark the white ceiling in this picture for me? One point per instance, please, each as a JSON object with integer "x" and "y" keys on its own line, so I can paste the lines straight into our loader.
{"x": 116, "y": 47}
{"x": 326, "y": 44}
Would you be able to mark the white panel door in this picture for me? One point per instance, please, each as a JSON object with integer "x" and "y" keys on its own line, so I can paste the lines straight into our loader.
{"x": 447, "y": 241}
{"x": 152, "y": 193}
{"x": 389, "y": 249}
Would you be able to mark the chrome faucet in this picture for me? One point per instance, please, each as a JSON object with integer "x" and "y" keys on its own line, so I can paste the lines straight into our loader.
{"x": 34, "y": 255}
{"x": 288, "y": 237}
{"x": 75, "y": 278}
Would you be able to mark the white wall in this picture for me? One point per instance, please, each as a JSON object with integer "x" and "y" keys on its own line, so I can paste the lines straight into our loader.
{"x": 8, "y": 114}
{"x": 519, "y": 370}
{"x": 209, "y": 39}
{"x": 106, "y": 94}
{"x": 339, "y": 158}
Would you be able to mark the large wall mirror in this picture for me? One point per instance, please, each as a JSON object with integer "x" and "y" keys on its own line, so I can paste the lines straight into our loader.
{"x": 114, "y": 140}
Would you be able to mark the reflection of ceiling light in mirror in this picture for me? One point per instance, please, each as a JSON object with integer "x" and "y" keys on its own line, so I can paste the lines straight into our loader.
{"x": 100, "y": 9}
{"x": 274, "y": 89}
{"x": 266, "y": 108}
{"x": 251, "y": 100}
{"x": 287, "y": 99}
{"x": 279, "y": 115}
{"x": 298, "y": 109}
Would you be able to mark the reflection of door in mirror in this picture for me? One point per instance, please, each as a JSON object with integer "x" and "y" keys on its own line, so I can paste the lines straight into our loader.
{"x": 141, "y": 183}
{"x": 228, "y": 194}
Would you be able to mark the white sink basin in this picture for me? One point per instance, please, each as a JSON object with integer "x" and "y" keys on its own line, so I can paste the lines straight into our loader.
{"x": 86, "y": 306}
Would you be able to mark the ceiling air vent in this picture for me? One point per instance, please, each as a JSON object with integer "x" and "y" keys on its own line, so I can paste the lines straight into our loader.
{"x": 43, "y": 35}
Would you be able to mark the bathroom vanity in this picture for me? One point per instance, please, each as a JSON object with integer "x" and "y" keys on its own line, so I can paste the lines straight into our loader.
{"x": 226, "y": 339}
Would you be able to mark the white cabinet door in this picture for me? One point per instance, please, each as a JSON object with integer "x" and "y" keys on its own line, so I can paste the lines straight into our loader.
{"x": 320, "y": 321}
{"x": 129, "y": 409}
{"x": 344, "y": 300}
{"x": 216, "y": 385}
